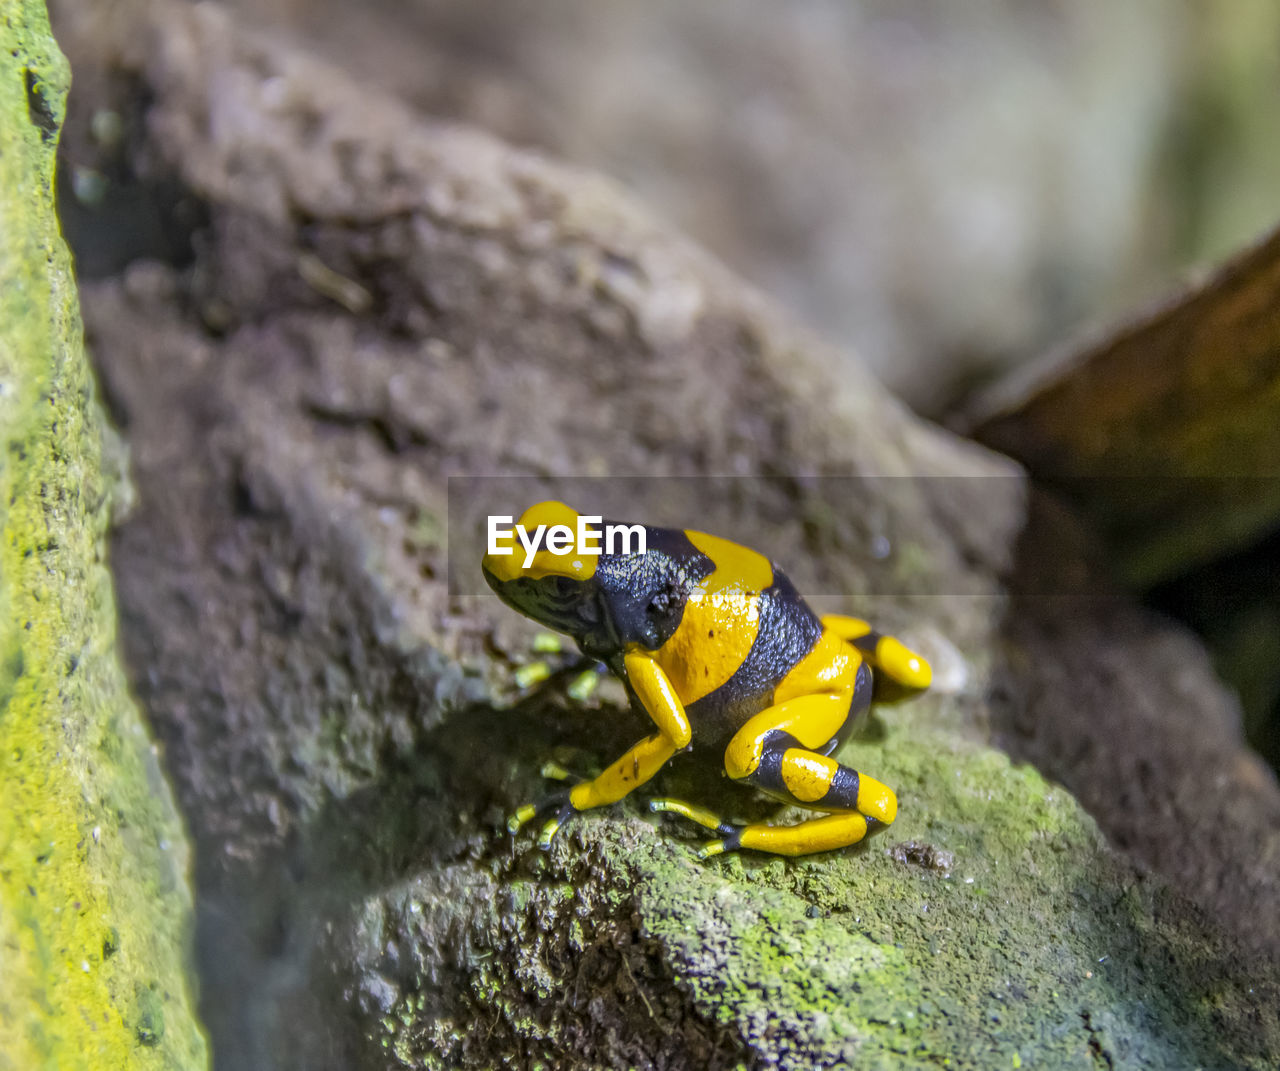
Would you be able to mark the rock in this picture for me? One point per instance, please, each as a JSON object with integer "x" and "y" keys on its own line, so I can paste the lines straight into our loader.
{"x": 367, "y": 305}
{"x": 95, "y": 905}
{"x": 1165, "y": 431}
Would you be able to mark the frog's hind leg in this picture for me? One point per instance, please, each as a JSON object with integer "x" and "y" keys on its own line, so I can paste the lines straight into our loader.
{"x": 888, "y": 654}
{"x": 859, "y": 704}
{"x": 859, "y": 804}
{"x": 776, "y": 753}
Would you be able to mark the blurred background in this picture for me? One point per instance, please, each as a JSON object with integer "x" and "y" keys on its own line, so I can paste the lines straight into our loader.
{"x": 947, "y": 192}
{"x": 944, "y": 190}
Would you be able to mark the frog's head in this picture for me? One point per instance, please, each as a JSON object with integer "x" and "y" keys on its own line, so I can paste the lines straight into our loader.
{"x": 557, "y": 590}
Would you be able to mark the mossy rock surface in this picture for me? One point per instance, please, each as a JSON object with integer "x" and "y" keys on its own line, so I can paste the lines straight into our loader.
{"x": 95, "y": 907}
{"x": 366, "y": 304}
{"x": 990, "y": 927}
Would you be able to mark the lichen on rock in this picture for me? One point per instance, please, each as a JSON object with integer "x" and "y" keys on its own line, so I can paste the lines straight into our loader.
{"x": 94, "y": 901}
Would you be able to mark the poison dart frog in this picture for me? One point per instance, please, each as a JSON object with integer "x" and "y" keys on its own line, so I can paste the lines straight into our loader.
{"x": 719, "y": 649}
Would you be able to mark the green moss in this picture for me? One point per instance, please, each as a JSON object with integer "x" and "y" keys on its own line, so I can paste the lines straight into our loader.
{"x": 1038, "y": 946}
{"x": 1009, "y": 934}
{"x": 94, "y": 905}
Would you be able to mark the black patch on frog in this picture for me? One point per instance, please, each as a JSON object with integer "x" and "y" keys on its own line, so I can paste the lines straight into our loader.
{"x": 644, "y": 595}
{"x": 787, "y": 632}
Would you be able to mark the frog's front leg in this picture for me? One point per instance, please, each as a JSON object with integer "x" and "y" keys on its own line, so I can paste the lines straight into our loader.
{"x": 774, "y": 752}
{"x": 656, "y": 694}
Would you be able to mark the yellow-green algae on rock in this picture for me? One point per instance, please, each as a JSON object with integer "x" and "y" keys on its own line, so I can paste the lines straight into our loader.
{"x": 94, "y": 901}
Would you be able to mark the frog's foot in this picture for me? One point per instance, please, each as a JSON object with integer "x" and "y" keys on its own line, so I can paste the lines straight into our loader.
{"x": 812, "y": 835}
{"x": 731, "y": 835}
{"x": 815, "y": 834}
{"x": 557, "y": 805}
{"x": 634, "y": 768}
{"x": 577, "y": 676}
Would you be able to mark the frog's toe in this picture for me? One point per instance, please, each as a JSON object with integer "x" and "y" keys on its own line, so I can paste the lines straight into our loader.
{"x": 705, "y": 818}
{"x": 731, "y": 842}
{"x": 553, "y": 771}
{"x": 731, "y": 835}
{"x": 552, "y": 829}
{"x": 584, "y": 685}
{"x": 522, "y": 817}
{"x": 557, "y": 801}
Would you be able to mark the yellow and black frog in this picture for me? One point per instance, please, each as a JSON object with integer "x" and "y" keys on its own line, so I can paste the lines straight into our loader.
{"x": 715, "y": 644}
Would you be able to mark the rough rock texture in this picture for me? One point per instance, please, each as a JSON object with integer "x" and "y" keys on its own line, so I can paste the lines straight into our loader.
{"x": 364, "y": 305}
{"x": 95, "y": 908}
{"x": 1125, "y": 711}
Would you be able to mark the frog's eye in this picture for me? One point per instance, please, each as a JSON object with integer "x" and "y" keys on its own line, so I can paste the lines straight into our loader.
{"x": 560, "y": 589}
